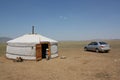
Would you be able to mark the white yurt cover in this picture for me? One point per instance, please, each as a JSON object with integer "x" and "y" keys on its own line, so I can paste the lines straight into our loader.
{"x": 21, "y": 46}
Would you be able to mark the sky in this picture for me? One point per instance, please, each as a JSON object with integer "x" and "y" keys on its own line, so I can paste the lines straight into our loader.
{"x": 61, "y": 19}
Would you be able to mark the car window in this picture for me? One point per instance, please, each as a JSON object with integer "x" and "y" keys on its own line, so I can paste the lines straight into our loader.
{"x": 92, "y": 43}
{"x": 95, "y": 43}
{"x": 102, "y": 43}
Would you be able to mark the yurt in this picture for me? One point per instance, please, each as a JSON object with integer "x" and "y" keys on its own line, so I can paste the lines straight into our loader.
{"x": 31, "y": 47}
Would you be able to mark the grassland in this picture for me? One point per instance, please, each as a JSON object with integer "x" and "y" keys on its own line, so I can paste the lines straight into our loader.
{"x": 78, "y": 65}
{"x": 2, "y": 49}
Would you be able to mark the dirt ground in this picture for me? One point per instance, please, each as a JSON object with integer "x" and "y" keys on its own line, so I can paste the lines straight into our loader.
{"x": 78, "y": 65}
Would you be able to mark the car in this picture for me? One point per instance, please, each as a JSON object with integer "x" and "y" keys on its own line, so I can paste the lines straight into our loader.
{"x": 98, "y": 46}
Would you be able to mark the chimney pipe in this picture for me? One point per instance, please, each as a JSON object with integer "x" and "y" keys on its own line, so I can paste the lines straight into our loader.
{"x": 32, "y": 29}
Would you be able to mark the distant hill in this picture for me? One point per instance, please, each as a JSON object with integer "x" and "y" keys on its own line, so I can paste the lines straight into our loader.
{"x": 4, "y": 39}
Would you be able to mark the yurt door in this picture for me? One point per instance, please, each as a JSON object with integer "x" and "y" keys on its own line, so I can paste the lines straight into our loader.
{"x": 44, "y": 47}
{"x": 38, "y": 52}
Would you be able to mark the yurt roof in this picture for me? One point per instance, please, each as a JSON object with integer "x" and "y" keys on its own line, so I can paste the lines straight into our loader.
{"x": 31, "y": 38}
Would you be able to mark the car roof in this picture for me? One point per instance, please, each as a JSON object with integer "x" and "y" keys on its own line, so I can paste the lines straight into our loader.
{"x": 98, "y": 41}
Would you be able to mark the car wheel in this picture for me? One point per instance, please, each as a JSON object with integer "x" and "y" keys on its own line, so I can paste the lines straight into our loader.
{"x": 85, "y": 49}
{"x": 106, "y": 51}
{"x": 97, "y": 50}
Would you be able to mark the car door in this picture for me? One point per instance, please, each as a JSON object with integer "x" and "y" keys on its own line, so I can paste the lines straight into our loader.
{"x": 95, "y": 45}
{"x": 90, "y": 46}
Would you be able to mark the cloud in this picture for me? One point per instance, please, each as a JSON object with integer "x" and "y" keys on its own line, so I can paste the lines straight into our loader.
{"x": 63, "y": 17}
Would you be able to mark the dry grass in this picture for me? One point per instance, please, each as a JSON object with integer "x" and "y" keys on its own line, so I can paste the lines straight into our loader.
{"x": 2, "y": 49}
{"x": 78, "y": 65}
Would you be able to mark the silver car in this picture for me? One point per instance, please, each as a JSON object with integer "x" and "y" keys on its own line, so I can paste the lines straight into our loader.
{"x": 97, "y": 46}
